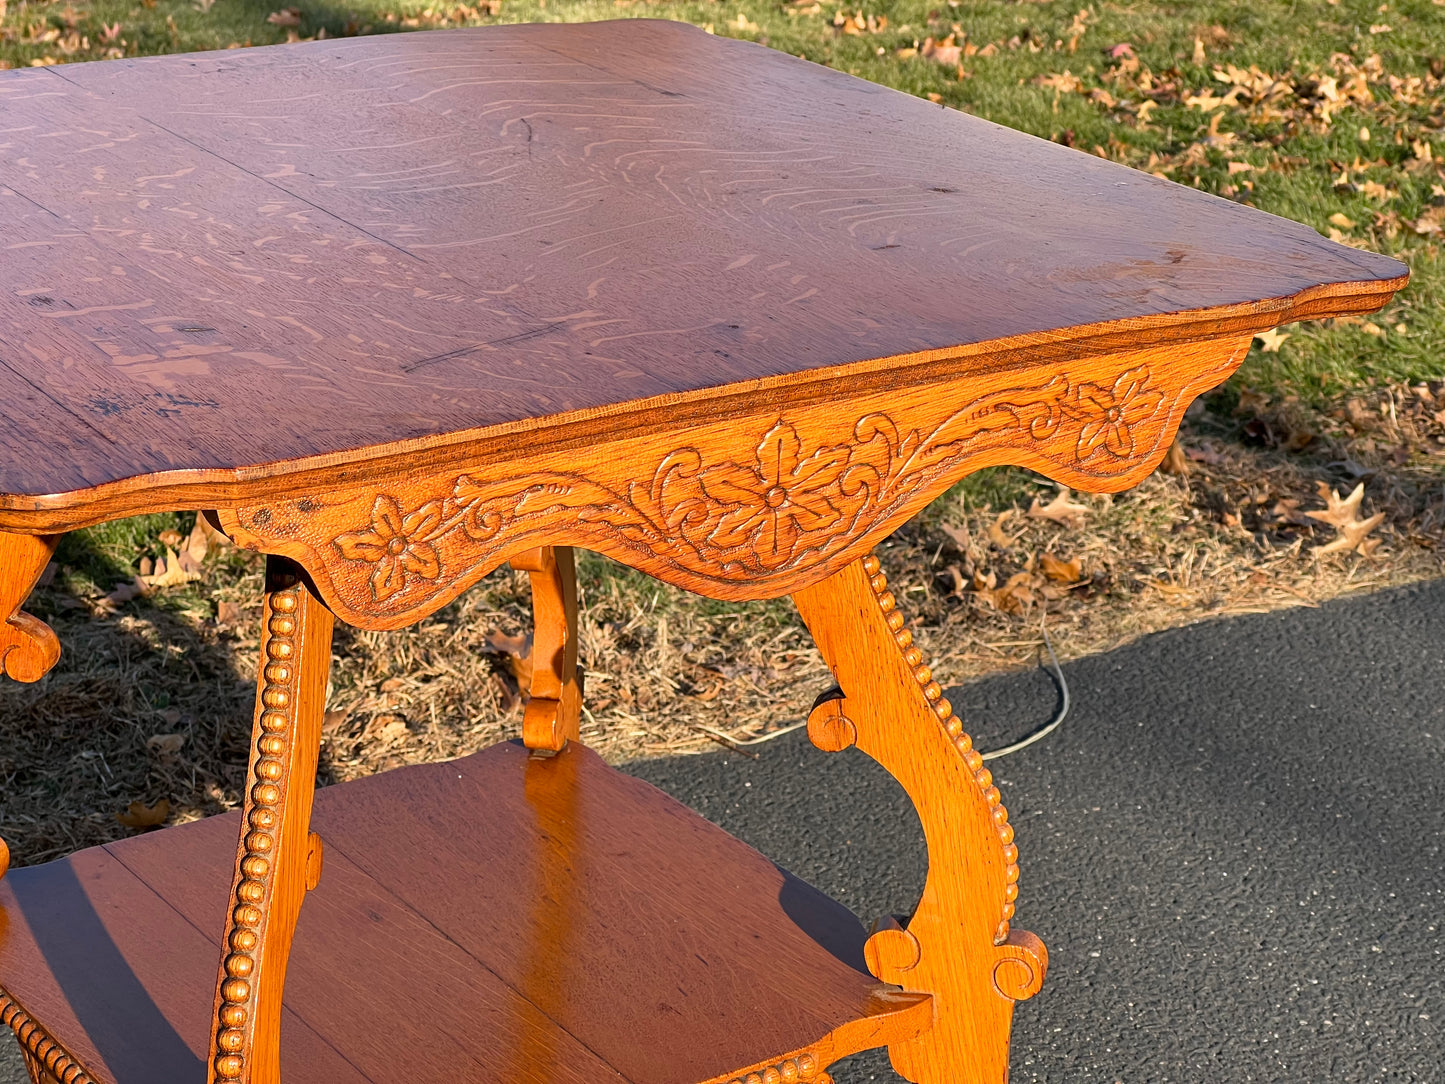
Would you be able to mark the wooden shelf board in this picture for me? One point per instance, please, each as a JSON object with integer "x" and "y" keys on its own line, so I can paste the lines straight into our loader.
{"x": 498, "y": 919}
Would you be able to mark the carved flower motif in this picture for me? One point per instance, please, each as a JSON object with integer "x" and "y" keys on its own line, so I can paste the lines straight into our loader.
{"x": 399, "y": 546}
{"x": 1110, "y": 414}
{"x": 776, "y": 501}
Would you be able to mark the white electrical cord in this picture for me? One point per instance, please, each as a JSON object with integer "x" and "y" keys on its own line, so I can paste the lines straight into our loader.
{"x": 1053, "y": 724}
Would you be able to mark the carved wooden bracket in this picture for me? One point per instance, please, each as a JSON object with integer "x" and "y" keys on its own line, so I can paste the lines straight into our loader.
{"x": 554, "y": 707}
{"x": 752, "y": 507}
{"x": 959, "y": 945}
{"x": 28, "y": 647}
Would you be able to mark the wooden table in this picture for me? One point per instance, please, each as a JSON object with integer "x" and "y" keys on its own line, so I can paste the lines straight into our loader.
{"x": 397, "y": 310}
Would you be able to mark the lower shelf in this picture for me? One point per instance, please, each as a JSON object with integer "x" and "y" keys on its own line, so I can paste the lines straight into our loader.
{"x": 499, "y": 919}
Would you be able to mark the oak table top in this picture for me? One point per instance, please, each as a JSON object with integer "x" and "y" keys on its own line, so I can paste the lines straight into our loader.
{"x": 226, "y": 267}
{"x": 396, "y": 310}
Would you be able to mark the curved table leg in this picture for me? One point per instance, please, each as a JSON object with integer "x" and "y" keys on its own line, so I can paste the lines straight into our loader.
{"x": 278, "y": 858}
{"x": 553, "y": 714}
{"x": 958, "y": 946}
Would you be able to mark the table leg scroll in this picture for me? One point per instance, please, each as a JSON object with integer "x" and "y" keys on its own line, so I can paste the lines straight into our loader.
{"x": 553, "y": 714}
{"x": 958, "y": 946}
{"x": 278, "y": 858}
{"x": 28, "y": 647}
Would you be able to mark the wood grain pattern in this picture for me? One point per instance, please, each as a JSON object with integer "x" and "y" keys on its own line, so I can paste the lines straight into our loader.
{"x": 553, "y": 715}
{"x": 115, "y": 947}
{"x": 959, "y": 945}
{"x": 751, "y": 506}
{"x": 585, "y": 884}
{"x": 278, "y": 858}
{"x": 498, "y": 238}
{"x": 28, "y": 647}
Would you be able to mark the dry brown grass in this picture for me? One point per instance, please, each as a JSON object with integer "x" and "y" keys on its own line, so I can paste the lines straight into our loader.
{"x": 670, "y": 673}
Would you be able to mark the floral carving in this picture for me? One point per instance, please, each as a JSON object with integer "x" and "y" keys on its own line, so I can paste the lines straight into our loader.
{"x": 773, "y": 503}
{"x": 1109, "y": 416}
{"x": 756, "y": 517}
{"x": 398, "y": 545}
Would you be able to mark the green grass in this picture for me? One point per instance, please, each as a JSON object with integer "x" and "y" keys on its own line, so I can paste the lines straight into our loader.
{"x": 1297, "y": 160}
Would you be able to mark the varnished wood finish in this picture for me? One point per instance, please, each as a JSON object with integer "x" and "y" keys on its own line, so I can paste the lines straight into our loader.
{"x": 277, "y": 859}
{"x": 750, "y": 506}
{"x": 488, "y": 242}
{"x": 554, "y": 706}
{"x": 665, "y": 950}
{"x": 28, "y": 647}
{"x": 959, "y": 945}
{"x": 725, "y": 315}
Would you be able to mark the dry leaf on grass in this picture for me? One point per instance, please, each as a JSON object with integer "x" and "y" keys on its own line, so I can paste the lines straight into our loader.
{"x": 517, "y": 650}
{"x": 124, "y": 592}
{"x": 1269, "y": 341}
{"x": 959, "y": 536}
{"x": 228, "y": 613}
{"x": 946, "y": 52}
{"x": 1176, "y": 461}
{"x": 172, "y": 571}
{"x": 1343, "y": 515}
{"x": 998, "y": 536}
{"x": 1060, "y": 571}
{"x": 1015, "y": 596}
{"x": 165, "y": 744}
{"x": 140, "y": 815}
{"x": 285, "y": 17}
{"x": 1060, "y": 510}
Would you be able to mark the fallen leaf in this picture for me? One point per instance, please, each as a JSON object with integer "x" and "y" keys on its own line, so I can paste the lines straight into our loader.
{"x": 124, "y": 592}
{"x": 389, "y": 727}
{"x": 1269, "y": 341}
{"x": 198, "y": 544}
{"x": 333, "y": 720}
{"x": 960, "y": 536}
{"x": 998, "y": 536}
{"x": 169, "y": 572}
{"x": 1344, "y": 222}
{"x": 140, "y": 815}
{"x": 1198, "y": 56}
{"x": 946, "y": 52}
{"x": 285, "y": 17}
{"x": 1070, "y": 571}
{"x": 228, "y": 613}
{"x": 1060, "y": 510}
{"x": 1343, "y": 515}
{"x": 170, "y": 537}
{"x": 956, "y": 574}
{"x": 1013, "y": 597}
{"x": 165, "y": 744}
{"x": 1176, "y": 460}
{"x": 517, "y": 650}
{"x": 1065, "y": 82}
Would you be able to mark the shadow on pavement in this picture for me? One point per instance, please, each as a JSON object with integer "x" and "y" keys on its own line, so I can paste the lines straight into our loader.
{"x": 1232, "y": 847}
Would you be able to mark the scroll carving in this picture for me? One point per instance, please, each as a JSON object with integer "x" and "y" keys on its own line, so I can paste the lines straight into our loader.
{"x": 746, "y": 508}
{"x": 28, "y": 646}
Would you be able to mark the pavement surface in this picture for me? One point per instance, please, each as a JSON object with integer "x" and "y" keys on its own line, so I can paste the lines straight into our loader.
{"x": 1233, "y": 848}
